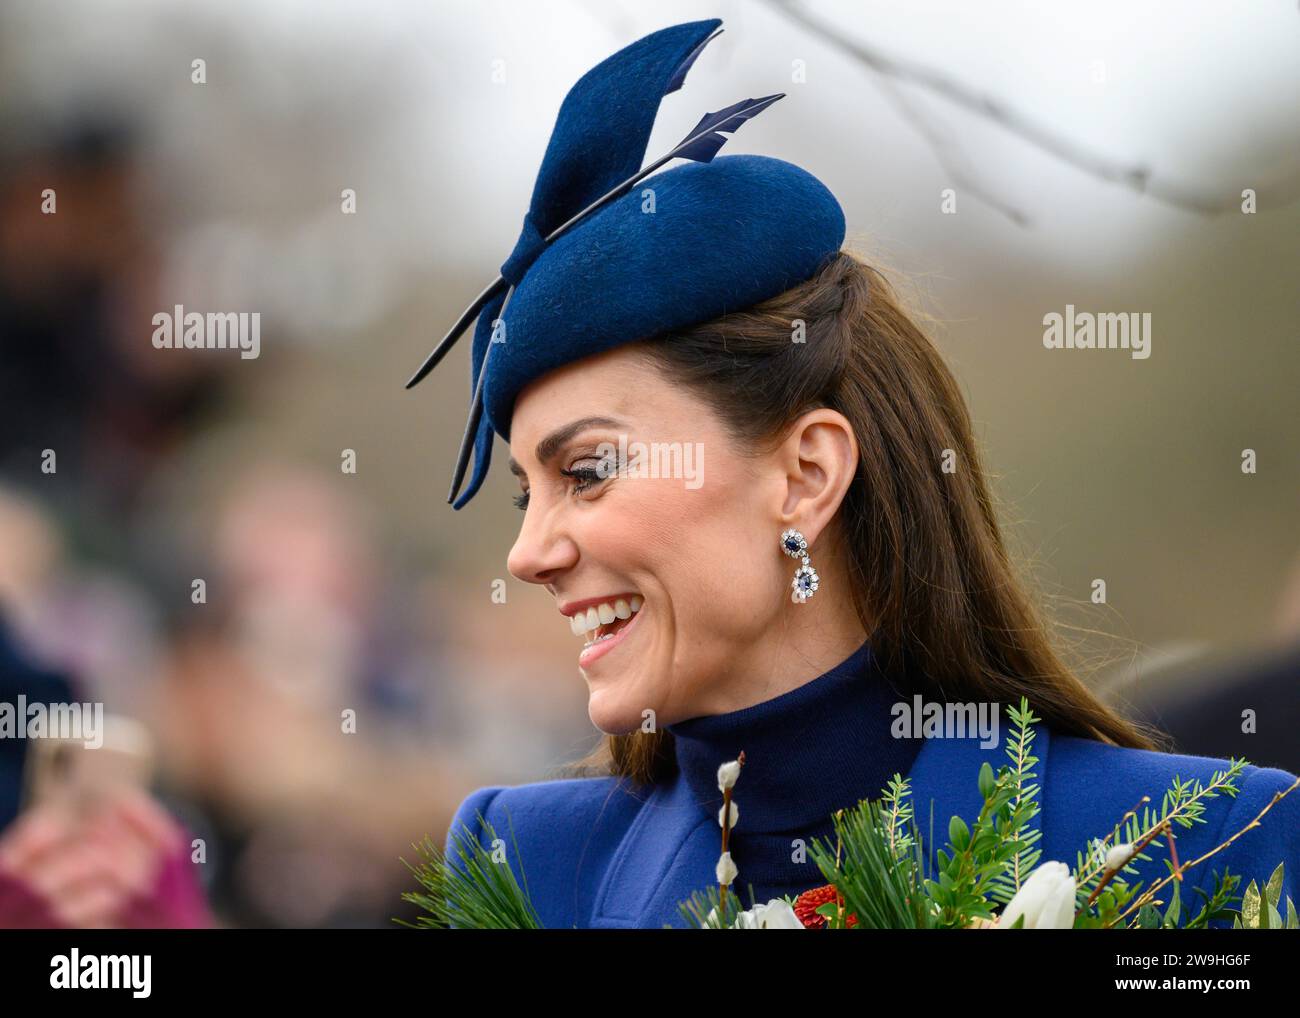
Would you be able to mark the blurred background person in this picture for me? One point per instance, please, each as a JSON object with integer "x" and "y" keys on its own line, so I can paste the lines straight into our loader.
{"x": 117, "y": 860}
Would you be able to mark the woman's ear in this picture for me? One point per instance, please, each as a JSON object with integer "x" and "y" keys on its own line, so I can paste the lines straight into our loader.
{"x": 819, "y": 458}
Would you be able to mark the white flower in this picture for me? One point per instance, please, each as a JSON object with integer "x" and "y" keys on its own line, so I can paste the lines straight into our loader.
{"x": 727, "y": 775}
{"x": 775, "y": 915}
{"x": 1046, "y": 900}
{"x": 726, "y": 869}
{"x": 735, "y": 815}
{"x": 1118, "y": 856}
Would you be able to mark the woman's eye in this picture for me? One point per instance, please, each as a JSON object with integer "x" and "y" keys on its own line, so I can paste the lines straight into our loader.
{"x": 591, "y": 472}
{"x": 585, "y": 474}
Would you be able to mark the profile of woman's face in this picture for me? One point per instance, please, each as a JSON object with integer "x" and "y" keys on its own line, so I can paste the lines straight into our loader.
{"x": 693, "y": 549}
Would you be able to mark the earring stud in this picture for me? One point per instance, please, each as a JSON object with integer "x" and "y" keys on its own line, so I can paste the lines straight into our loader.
{"x": 806, "y": 580}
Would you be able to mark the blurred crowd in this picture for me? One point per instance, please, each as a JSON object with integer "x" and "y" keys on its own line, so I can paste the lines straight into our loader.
{"x": 312, "y": 706}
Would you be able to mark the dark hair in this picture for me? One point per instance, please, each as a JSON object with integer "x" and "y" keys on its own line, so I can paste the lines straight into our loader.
{"x": 929, "y": 574}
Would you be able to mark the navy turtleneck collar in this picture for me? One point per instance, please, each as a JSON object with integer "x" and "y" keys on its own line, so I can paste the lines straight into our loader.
{"x": 821, "y": 747}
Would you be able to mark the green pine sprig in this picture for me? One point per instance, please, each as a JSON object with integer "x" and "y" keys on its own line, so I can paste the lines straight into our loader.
{"x": 1182, "y": 804}
{"x": 479, "y": 894}
{"x": 705, "y": 910}
{"x": 972, "y": 870}
{"x": 879, "y": 874}
{"x": 898, "y": 813}
{"x": 1024, "y": 804}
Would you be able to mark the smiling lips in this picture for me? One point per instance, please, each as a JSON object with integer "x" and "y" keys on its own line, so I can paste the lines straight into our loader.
{"x": 601, "y": 621}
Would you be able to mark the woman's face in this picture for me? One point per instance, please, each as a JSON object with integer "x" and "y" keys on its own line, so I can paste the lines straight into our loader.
{"x": 691, "y": 545}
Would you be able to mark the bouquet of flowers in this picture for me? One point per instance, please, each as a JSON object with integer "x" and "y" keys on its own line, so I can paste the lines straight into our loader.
{"x": 988, "y": 874}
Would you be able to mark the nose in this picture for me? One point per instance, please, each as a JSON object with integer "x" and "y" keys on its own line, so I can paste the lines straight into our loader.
{"x": 543, "y": 550}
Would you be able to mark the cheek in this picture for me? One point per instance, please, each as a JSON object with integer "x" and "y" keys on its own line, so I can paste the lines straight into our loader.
{"x": 707, "y": 552}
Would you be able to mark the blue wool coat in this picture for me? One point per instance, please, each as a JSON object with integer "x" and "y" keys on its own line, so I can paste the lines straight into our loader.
{"x": 607, "y": 853}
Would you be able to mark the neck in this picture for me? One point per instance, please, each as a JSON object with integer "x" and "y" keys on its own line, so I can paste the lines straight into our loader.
{"x": 791, "y": 655}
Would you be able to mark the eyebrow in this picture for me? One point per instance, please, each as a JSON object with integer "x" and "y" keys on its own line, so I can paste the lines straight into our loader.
{"x": 551, "y": 444}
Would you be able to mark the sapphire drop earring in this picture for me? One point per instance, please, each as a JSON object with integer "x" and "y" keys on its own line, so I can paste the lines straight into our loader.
{"x": 805, "y": 582}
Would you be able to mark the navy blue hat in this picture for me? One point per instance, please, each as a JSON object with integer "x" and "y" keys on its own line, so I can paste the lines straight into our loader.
{"x": 599, "y": 264}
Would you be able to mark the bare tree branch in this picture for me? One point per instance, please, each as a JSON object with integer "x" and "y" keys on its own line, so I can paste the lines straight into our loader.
{"x": 953, "y": 161}
{"x": 892, "y": 70}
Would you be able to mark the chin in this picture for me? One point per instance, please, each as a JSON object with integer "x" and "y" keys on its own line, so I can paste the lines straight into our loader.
{"x": 612, "y": 714}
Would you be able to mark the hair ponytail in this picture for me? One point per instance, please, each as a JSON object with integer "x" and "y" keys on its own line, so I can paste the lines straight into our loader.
{"x": 930, "y": 576}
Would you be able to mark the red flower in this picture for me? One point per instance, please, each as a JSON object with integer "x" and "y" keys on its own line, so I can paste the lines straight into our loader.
{"x": 807, "y": 904}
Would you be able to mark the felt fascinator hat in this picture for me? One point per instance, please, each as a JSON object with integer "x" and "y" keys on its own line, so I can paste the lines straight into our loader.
{"x": 596, "y": 265}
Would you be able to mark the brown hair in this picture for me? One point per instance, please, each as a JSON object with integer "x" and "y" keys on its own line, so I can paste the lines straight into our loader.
{"x": 929, "y": 574}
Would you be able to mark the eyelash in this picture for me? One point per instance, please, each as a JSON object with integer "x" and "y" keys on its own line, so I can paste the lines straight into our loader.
{"x": 586, "y": 476}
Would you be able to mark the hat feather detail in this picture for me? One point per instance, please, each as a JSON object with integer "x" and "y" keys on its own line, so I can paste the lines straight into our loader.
{"x": 599, "y": 140}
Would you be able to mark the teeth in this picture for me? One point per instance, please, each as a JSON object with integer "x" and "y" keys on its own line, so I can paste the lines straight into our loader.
{"x": 583, "y": 622}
